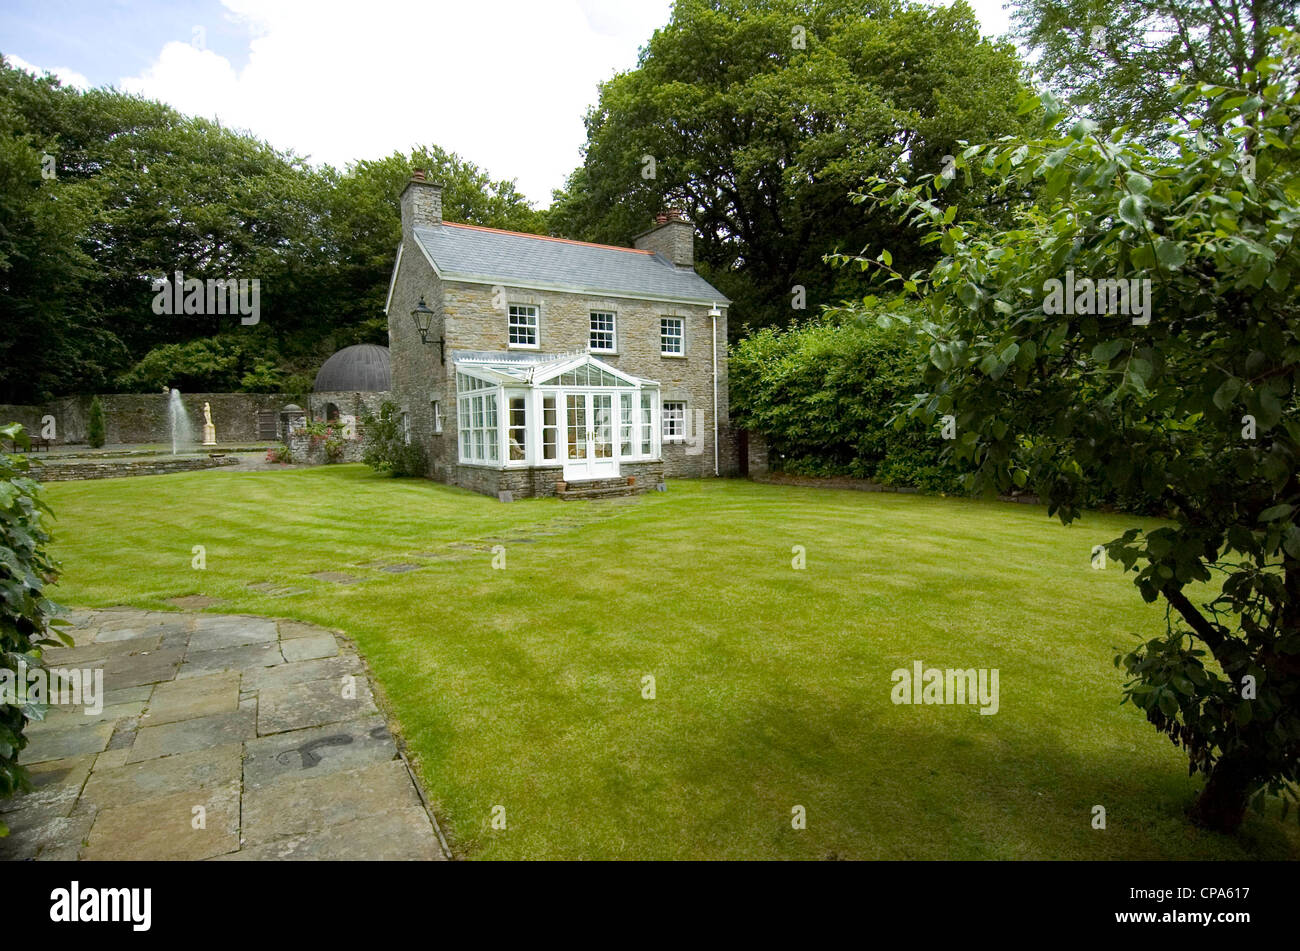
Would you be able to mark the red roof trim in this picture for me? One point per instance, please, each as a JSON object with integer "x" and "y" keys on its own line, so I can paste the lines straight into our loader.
{"x": 546, "y": 237}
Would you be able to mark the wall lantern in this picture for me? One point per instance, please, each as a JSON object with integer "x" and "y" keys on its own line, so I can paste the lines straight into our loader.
{"x": 423, "y": 317}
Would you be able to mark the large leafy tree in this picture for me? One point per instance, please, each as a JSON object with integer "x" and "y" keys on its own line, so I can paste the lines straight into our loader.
{"x": 135, "y": 191}
{"x": 1195, "y": 410}
{"x": 1120, "y": 60}
{"x": 762, "y": 115}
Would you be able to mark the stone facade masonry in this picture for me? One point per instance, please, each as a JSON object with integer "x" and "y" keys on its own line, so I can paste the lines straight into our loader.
{"x": 465, "y": 319}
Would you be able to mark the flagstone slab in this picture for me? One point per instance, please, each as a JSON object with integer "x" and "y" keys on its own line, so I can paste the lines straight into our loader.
{"x": 401, "y": 835}
{"x": 310, "y": 753}
{"x": 204, "y": 663}
{"x": 149, "y": 779}
{"x": 56, "y": 838}
{"x": 193, "y": 697}
{"x": 196, "y": 734}
{"x": 310, "y": 648}
{"x": 55, "y": 787}
{"x": 150, "y": 667}
{"x": 179, "y": 729}
{"x": 69, "y": 741}
{"x": 61, "y": 718}
{"x": 214, "y": 632}
{"x": 310, "y": 805}
{"x": 89, "y": 653}
{"x": 302, "y": 671}
{"x": 163, "y": 828}
{"x": 312, "y": 703}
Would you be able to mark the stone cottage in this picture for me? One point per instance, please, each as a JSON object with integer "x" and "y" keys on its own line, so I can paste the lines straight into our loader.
{"x": 520, "y": 361}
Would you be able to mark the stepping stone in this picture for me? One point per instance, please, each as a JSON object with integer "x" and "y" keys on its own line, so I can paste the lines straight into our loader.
{"x": 313, "y": 703}
{"x": 195, "y": 601}
{"x": 398, "y": 569}
{"x": 264, "y": 586}
{"x": 308, "y": 754}
{"x": 334, "y": 577}
{"x": 309, "y": 648}
{"x": 162, "y": 829}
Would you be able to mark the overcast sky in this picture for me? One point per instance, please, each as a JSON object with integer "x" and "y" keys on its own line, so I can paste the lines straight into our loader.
{"x": 503, "y": 82}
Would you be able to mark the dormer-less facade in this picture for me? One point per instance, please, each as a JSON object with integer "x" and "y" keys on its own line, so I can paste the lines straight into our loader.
{"x": 548, "y": 360}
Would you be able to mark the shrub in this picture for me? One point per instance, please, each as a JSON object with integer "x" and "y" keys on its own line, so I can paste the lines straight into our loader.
{"x": 28, "y": 620}
{"x": 280, "y": 454}
{"x": 824, "y": 394}
{"x": 386, "y": 449}
{"x": 95, "y": 425}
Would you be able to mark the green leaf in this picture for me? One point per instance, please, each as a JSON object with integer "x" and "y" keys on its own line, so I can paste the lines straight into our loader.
{"x": 1131, "y": 211}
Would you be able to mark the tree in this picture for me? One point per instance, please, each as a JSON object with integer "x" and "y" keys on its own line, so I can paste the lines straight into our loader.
{"x": 1181, "y": 384}
{"x": 95, "y": 424}
{"x": 758, "y": 117}
{"x": 1119, "y": 61}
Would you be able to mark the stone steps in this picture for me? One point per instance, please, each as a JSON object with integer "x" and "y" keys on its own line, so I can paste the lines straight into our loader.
{"x": 601, "y": 489}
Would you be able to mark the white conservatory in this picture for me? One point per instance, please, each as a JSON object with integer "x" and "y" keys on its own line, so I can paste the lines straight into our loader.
{"x": 517, "y": 410}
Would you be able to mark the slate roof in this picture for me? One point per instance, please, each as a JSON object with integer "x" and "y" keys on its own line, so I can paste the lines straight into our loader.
{"x": 486, "y": 255}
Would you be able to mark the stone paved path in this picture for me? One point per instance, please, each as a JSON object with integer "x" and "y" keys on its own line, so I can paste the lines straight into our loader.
{"x": 266, "y": 730}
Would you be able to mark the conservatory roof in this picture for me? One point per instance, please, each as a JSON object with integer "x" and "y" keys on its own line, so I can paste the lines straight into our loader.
{"x": 572, "y": 369}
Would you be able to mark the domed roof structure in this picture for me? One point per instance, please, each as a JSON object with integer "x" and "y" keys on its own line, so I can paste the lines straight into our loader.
{"x": 361, "y": 368}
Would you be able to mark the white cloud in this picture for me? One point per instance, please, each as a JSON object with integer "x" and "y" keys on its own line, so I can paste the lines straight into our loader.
{"x": 503, "y": 82}
{"x": 69, "y": 77}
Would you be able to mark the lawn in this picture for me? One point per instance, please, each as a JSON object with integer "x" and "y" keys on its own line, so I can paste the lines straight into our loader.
{"x": 523, "y": 687}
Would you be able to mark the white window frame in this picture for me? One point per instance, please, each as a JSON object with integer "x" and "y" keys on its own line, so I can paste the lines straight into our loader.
{"x": 523, "y": 317}
{"x": 437, "y": 417}
{"x": 665, "y": 338}
{"x": 406, "y": 428}
{"x": 670, "y": 417}
{"x": 612, "y": 331}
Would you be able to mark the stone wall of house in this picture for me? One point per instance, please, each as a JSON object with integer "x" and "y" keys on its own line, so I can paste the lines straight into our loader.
{"x": 418, "y": 375}
{"x": 564, "y": 324}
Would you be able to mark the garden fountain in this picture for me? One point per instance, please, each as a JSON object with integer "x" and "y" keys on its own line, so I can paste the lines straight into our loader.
{"x": 179, "y": 421}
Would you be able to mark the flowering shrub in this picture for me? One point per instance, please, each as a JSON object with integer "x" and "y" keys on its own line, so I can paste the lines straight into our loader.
{"x": 280, "y": 454}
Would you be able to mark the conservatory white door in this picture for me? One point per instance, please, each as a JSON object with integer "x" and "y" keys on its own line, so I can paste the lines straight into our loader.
{"x": 589, "y": 436}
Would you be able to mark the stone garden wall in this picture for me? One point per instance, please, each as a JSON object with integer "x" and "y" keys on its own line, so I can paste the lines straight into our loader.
{"x": 142, "y": 417}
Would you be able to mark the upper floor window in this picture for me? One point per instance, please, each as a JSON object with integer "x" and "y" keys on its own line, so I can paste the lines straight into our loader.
{"x": 602, "y": 331}
{"x": 523, "y": 325}
{"x": 671, "y": 336}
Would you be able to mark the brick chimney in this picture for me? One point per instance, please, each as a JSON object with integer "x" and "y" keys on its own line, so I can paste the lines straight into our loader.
{"x": 672, "y": 236}
{"x": 421, "y": 204}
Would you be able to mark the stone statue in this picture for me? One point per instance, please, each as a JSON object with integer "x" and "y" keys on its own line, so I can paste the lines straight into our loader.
{"x": 209, "y": 431}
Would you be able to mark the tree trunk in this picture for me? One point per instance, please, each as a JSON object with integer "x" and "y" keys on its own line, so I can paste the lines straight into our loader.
{"x": 1221, "y": 805}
